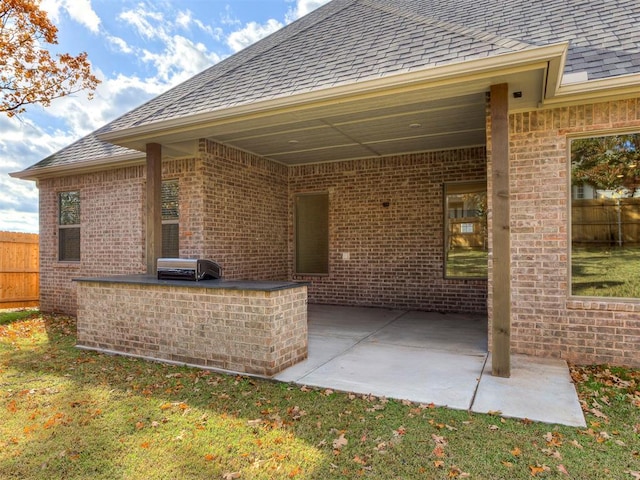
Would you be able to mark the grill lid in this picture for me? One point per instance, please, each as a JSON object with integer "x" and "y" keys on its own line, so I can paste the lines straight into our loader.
{"x": 187, "y": 269}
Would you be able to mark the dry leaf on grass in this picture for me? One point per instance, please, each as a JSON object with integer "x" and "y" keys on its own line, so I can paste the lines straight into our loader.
{"x": 340, "y": 442}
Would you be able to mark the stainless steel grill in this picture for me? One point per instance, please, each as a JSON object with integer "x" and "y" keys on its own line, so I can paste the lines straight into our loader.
{"x": 187, "y": 269}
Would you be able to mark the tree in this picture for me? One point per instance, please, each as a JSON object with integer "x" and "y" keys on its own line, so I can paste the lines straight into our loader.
{"x": 28, "y": 72}
{"x": 607, "y": 163}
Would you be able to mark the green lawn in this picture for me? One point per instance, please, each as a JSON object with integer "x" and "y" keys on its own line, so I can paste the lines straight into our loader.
{"x": 600, "y": 272}
{"x": 68, "y": 413}
{"x": 467, "y": 263}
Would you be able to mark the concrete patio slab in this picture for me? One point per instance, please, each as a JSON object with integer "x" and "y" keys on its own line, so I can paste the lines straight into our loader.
{"x": 402, "y": 372}
{"x": 437, "y": 331}
{"x": 538, "y": 389}
{"x": 429, "y": 357}
{"x": 322, "y": 349}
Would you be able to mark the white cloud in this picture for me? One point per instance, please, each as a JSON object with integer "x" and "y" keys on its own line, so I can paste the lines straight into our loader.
{"x": 18, "y": 221}
{"x": 120, "y": 43}
{"x": 181, "y": 59}
{"x": 147, "y": 23}
{"x": 251, "y": 33}
{"x": 79, "y": 10}
{"x": 185, "y": 20}
{"x": 22, "y": 143}
{"x": 302, "y": 8}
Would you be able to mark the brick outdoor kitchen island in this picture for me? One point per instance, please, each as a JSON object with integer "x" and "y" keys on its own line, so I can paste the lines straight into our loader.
{"x": 240, "y": 326}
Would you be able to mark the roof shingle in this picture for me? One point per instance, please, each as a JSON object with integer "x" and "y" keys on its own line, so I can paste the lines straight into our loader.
{"x": 348, "y": 41}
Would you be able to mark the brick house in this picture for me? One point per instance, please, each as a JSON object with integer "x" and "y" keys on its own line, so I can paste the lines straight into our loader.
{"x": 393, "y": 153}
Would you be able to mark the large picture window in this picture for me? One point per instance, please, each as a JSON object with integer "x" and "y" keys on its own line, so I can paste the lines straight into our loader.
{"x": 312, "y": 233}
{"x": 170, "y": 220}
{"x": 69, "y": 226}
{"x": 605, "y": 216}
{"x": 466, "y": 254}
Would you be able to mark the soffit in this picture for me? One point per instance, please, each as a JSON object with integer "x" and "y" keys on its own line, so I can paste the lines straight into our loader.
{"x": 394, "y": 122}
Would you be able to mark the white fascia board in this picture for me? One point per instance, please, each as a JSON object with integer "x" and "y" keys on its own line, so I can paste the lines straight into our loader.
{"x": 80, "y": 167}
{"x": 550, "y": 57}
{"x": 596, "y": 90}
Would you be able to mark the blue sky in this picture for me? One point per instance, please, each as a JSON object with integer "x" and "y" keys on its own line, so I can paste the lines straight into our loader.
{"x": 138, "y": 49}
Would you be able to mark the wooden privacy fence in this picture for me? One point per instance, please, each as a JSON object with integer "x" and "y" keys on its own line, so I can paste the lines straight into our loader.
{"x": 19, "y": 270}
{"x": 606, "y": 221}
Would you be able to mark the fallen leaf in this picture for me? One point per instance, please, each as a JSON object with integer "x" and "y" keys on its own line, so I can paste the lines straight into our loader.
{"x": 340, "y": 442}
{"x": 438, "y": 463}
{"x": 493, "y": 428}
{"x": 576, "y": 444}
{"x": 516, "y": 452}
{"x": 295, "y": 472}
{"x": 359, "y": 460}
{"x": 552, "y": 453}
{"x": 553, "y": 439}
{"x": 536, "y": 469}
{"x": 231, "y": 476}
{"x": 562, "y": 469}
{"x": 507, "y": 464}
{"x": 438, "y": 451}
{"x": 208, "y": 457}
{"x": 635, "y": 475}
{"x": 439, "y": 440}
{"x": 400, "y": 431}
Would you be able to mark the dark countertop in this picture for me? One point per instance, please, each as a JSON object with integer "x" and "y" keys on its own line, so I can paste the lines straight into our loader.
{"x": 258, "y": 285}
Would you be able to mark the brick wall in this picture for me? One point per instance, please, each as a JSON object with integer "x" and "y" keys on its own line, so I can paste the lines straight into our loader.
{"x": 546, "y": 321}
{"x": 259, "y": 332}
{"x": 112, "y": 226}
{"x": 111, "y": 204}
{"x": 246, "y": 212}
{"x": 396, "y": 253}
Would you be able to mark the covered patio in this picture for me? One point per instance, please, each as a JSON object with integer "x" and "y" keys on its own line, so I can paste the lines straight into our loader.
{"x": 429, "y": 357}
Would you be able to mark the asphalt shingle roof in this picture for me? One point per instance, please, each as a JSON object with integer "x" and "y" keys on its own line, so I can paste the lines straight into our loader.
{"x": 347, "y": 41}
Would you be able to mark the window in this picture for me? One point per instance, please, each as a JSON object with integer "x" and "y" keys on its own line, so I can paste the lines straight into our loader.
{"x": 69, "y": 226}
{"x": 170, "y": 220}
{"x": 312, "y": 233}
{"x": 605, "y": 224}
{"x": 465, "y": 226}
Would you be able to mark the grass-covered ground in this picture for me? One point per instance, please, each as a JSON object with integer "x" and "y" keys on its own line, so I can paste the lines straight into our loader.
{"x": 72, "y": 414}
{"x": 467, "y": 263}
{"x": 600, "y": 272}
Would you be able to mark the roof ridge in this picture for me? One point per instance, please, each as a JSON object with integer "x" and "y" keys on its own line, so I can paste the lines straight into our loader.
{"x": 450, "y": 26}
{"x": 240, "y": 58}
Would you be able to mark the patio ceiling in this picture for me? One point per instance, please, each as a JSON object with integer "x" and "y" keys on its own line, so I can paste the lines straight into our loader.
{"x": 407, "y": 114}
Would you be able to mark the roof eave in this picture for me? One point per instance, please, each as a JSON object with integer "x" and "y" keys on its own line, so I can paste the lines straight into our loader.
{"x": 103, "y": 163}
{"x": 551, "y": 55}
{"x": 595, "y": 90}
